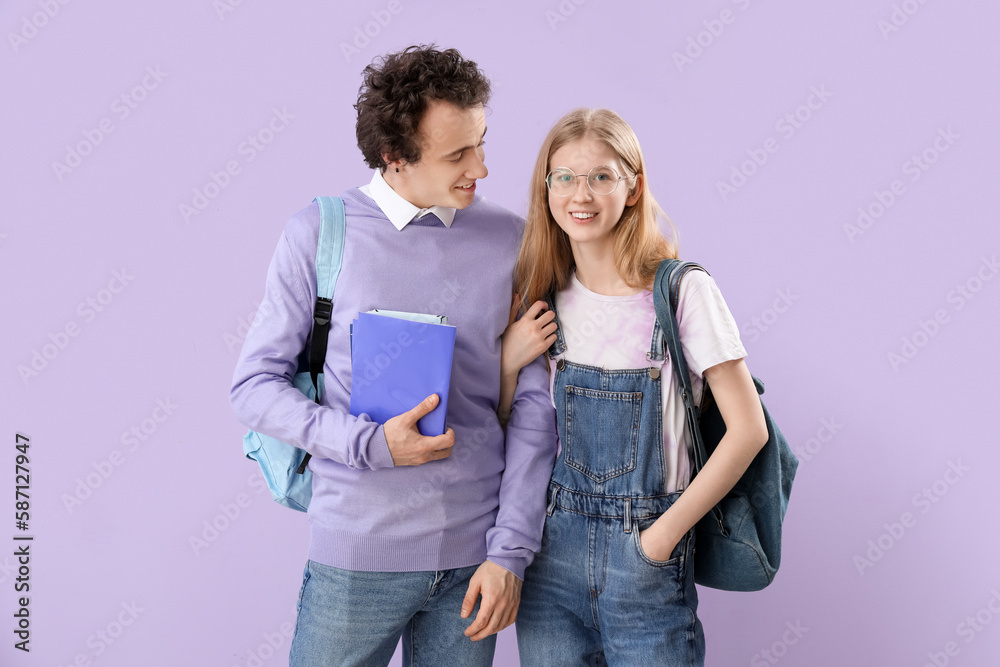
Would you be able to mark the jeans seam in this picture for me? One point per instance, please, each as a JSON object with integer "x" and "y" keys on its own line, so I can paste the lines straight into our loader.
{"x": 594, "y": 608}
{"x": 413, "y": 636}
{"x": 608, "y": 532}
{"x": 302, "y": 590}
{"x": 691, "y": 633}
{"x": 298, "y": 612}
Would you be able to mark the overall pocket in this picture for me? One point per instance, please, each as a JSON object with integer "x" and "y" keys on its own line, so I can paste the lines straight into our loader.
{"x": 677, "y": 557}
{"x": 602, "y": 431}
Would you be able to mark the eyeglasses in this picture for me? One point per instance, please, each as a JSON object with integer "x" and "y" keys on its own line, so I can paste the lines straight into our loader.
{"x": 601, "y": 180}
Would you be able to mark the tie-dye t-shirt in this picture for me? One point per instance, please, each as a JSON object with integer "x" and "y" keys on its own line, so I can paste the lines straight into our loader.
{"x": 614, "y": 332}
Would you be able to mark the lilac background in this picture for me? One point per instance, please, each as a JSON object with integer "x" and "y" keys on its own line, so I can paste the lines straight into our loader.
{"x": 168, "y": 335}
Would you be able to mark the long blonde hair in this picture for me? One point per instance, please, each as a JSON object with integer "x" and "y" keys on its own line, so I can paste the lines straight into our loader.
{"x": 546, "y": 260}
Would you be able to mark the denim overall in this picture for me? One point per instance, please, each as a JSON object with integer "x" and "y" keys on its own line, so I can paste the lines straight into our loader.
{"x": 591, "y": 596}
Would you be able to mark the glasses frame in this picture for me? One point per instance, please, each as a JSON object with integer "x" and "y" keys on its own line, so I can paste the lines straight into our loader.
{"x": 548, "y": 180}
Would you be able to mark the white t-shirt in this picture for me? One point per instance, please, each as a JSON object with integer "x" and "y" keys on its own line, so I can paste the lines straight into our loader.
{"x": 615, "y": 332}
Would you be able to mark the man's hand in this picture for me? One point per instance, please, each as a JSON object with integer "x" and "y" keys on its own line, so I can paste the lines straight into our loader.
{"x": 501, "y": 592}
{"x": 406, "y": 446}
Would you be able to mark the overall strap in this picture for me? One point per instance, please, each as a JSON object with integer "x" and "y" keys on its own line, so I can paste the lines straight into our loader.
{"x": 656, "y": 352}
{"x": 559, "y": 346}
{"x": 657, "y": 346}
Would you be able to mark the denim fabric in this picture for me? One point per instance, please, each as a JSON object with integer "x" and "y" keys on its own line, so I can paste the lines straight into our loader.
{"x": 591, "y": 596}
{"x": 356, "y": 618}
{"x": 601, "y": 416}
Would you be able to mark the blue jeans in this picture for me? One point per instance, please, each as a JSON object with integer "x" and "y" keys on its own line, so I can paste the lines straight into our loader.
{"x": 351, "y": 617}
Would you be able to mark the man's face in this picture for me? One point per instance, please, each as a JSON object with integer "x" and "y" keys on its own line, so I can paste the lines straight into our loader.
{"x": 452, "y": 155}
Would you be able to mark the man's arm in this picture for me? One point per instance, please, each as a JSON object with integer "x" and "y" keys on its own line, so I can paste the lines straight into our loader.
{"x": 264, "y": 399}
{"x": 516, "y": 536}
{"x": 262, "y": 394}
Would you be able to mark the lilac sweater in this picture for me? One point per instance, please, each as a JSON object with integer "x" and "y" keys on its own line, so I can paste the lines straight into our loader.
{"x": 487, "y": 500}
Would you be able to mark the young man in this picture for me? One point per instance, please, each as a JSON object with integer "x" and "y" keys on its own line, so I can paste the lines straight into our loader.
{"x": 424, "y": 537}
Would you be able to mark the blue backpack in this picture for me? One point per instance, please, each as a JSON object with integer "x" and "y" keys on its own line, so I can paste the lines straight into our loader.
{"x": 284, "y": 465}
{"x": 738, "y": 542}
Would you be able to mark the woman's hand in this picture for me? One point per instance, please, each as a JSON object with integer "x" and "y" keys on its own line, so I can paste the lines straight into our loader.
{"x": 659, "y": 541}
{"x": 526, "y": 338}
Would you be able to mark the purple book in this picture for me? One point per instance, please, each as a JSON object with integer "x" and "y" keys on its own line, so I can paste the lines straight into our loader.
{"x": 397, "y": 362}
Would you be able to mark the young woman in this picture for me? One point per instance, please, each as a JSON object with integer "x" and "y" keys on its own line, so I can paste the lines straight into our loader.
{"x": 613, "y": 581}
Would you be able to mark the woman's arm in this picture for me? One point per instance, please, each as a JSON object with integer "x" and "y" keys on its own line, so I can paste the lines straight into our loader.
{"x": 523, "y": 341}
{"x": 746, "y": 434}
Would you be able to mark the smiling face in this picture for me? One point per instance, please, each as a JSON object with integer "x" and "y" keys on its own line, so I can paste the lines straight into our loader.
{"x": 587, "y": 218}
{"x": 451, "y": 158}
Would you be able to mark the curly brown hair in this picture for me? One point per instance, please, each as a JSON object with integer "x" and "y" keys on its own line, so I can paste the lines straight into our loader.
{"x": 396, "y": 90}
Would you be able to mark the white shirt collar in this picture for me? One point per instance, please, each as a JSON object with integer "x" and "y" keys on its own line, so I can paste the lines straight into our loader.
{"x": 399, "y": 211}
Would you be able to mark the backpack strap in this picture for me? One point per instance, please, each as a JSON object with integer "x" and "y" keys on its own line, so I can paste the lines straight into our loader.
{"x": 329, "y": 255}
{"x": 666, "y": 293}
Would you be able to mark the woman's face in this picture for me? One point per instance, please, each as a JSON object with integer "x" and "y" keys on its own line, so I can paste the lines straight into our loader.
{"x": 586, "y": 217}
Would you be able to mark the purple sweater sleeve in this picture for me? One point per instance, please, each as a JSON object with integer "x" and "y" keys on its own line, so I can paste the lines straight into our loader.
{"x": 530, "y": 455}
{"x": 262, "y": 395}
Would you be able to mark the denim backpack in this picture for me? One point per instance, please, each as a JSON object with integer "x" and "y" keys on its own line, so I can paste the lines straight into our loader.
{"x": 284, "y": 465}
{"x": 738, "y": 543}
